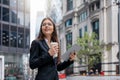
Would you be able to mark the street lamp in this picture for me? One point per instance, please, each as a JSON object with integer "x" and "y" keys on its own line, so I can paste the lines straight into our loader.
{"x": 118, "y": 3}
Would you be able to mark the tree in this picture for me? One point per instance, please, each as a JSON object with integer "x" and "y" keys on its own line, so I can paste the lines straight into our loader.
{"x": 91, "y": 49}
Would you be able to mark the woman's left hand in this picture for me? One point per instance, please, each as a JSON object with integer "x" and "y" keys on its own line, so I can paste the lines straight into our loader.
{"x": 72, "y": 56}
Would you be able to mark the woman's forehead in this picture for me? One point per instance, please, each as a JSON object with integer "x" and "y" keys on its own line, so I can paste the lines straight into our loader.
{"x": 47, "y": 20}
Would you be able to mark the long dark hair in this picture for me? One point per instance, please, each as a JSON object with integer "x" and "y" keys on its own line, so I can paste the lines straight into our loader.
{"x": 54, "y": 36}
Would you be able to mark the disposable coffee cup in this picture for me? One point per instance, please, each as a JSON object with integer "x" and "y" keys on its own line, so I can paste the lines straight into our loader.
{"x": 54, "y": 44}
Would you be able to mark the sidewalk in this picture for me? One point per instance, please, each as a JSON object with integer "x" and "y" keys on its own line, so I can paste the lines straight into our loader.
{"x": 93, "y": 78}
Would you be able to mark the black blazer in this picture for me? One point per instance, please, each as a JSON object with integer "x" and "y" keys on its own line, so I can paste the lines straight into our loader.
{"x": 40, "y": 58}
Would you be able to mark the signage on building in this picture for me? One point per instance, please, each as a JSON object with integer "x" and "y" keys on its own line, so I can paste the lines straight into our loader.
{"x": 1, "y": 67}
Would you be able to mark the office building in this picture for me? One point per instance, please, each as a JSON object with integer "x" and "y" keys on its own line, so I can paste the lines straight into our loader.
{"x": 99, "y": 16}
{"x": 15, "y": 37}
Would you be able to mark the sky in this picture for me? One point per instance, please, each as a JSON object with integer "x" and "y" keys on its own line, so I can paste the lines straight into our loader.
{"x": 35, "y": 6}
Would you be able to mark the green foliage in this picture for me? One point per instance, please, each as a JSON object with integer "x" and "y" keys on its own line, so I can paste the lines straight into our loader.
{"x": 90, "y": 47}
{"x": 89, "y": 44}
{"x": 69, "y": 46}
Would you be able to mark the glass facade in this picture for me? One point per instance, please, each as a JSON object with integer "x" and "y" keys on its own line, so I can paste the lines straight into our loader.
{"x": 21, "y": 5}
{"x": 27, "y": 8}
{"x": 15, "y": 37}
{"x": 20, "y": 37}
{"x": 13, "y": 3}
{"x": 27, "y": 20}
{"x": 13, "y": 16}
{"x": 0, "y": 34}
{"x": 20, "y": 18}
{"x": 5, "y": 35}
{"x": 5, "y": 14}
{"x": 13, "y": 66}
{"x": 0, "y": 12}
{"x": 6, "y": 2}
{"x": 27, "y": 37}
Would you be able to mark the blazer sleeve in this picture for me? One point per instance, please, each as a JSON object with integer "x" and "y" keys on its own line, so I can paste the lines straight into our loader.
{"x": 63, "y": 65}
{"x": 37, "y": 59}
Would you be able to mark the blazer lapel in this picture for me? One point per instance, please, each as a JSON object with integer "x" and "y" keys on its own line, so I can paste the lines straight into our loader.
{"x": 45, "y": 45}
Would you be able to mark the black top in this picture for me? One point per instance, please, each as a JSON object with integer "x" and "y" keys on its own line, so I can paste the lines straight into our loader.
{"x": 46, "y": 64}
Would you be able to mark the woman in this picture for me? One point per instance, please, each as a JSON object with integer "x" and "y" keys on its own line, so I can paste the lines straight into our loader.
{"x": 42, "y": 52}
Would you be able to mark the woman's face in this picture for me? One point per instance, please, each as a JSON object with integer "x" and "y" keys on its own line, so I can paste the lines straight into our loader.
{"x": 47, "y": 27}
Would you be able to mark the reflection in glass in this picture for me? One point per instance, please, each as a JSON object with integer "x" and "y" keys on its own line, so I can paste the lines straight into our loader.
{"x": 13, "y": 36}
{"x": 5, "y": 14}
{"x": 95, "y": 26}
{"x": 69, "y": 5}
{"x": 69, "y": 39}
{"x": 0, "y": 12}
{"x": 68, "y": 23}
{"x": 20, "y": 18}
{"x": 13, "y": 67}
{"x": 27, "y": 20}
{"x": 14, "y": 16}
{"x": 80, "y": 32}
{"x": 21, "y": 4}
{"x": 20, "y": 37}
{"x": 27, "y": 5}
{"x": 13, "y": 3}
{"x": 6, "y": 2}
{"x": 5, "y": 35}
{"x": 0, "y": 34}
{"x": 27, "y": 38}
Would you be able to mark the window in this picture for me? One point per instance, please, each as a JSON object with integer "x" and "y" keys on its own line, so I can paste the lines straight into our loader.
{"x": 95, "y": 6}
{"x": 69, "y": 39}
{"x": 98, "y": 5}
{"x": 6, "y": 2}
{"x": 0, "y": 34}
{"x": 27, "y": 5}
{"x": 82, "y": 16}
{"x": 27, "y": 38}
{"x": 82, "y": 60}
{"x": 0, "y": 12}
{"x": 13, "y": 3}
{"x": 85, "y": 28}
{"x": 69, "y": 5}
{"x": 14, "y": 65}
{"x": 68, "y": 23}
{"x": 80, "y": 33}
{"x": 95, "y": 26}
{"x": 84, "y": 1}
{"x": 20, "y": 18}
{"x": 13, "y": 16}
{"x": 27, "y": 20}
{"x": 5, "y": 14}
{"x": 5, "y": 35}
{"x": 20, "y": 37}
{"x": 13, "y": 36}
{"x": 21, "y": 5}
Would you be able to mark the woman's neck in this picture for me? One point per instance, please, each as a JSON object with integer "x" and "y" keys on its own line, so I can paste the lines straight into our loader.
{"x": 48, "y": 39}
